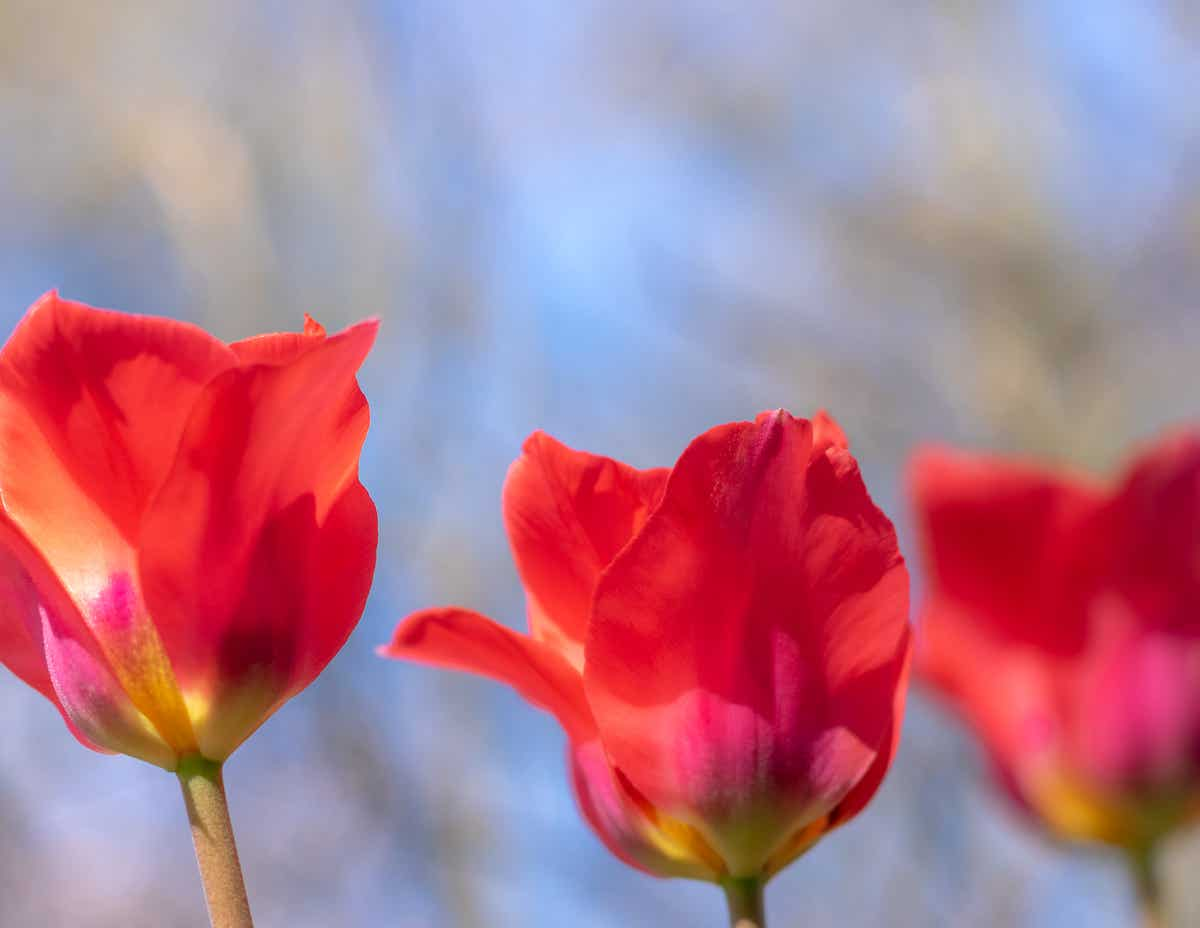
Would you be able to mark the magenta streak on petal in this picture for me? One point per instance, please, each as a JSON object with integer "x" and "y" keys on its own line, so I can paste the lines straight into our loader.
{"x": 115, "y": 608}
{"x": 93, "y": 698}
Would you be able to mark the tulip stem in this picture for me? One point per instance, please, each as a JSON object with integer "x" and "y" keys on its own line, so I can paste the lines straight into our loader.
{"x": 212, "y": 834}
{"x": 745, "y": 898}
{"x": 1143, "y": 864}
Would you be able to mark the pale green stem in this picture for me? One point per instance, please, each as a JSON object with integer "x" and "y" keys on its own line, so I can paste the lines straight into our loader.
{"x": 1143, "y": 866}
{"x": 212, "y": 834}
{"x": 745, "y": 898}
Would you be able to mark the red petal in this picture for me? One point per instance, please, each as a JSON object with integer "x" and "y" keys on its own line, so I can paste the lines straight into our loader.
{"x": 1083, "y": 612}
{"x": 1003, "y": 540}
{"x": 1130, "y": 710}
{"x": 1011, "y": 555}
{"x": 92, "y": 404}
{"x": 568, "y": 513}
{"x": 279, "y": 347}
{"x": 864, "y": 790}
{"x": 465, "y": 640}
{"x": 20, "y": 627}
{"x": 305, "y": 587}
{"x": 1155, "y": 534}
{"x": 745, "y": 648}
{"x": 238, "y": 546}
{"x": 1013, "y": 705}
{"x": 827, "y": 433}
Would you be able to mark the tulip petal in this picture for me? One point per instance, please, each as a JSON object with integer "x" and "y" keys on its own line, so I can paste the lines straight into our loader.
{"x": 335, "y": 584}
{"x": 263, "y": 488}
{"x": 1015, "y": 705}
{"x": 745, "y": 647}
{"x": 629, "y": 831}
{"x": 1154, "y": 524}
{"x": 865, "y": 789}
{"x": 283, "y": 634}
{"x": 1133, "y": 706}
{"x": 568, "y": 513}
{"x": 827, "y": 433}
{"x": 1010, "y": 580}
{"x": 1082, "y": 606}
{"x": 279, "y": 347}
{"x": 1136, "y": 712}
{"x": 464, "y": 640}
{"x": 46, "y": 641}
{"x": 1002, "y": 541}
{"x": 20, "y": 631}
{"x": 92, "y": 404}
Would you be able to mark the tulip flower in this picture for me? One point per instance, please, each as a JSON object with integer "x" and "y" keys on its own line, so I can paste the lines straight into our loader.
{"x": 1062, "y": 621}
{"x": 184, "y": 542}
{"x": 725, "y": 643}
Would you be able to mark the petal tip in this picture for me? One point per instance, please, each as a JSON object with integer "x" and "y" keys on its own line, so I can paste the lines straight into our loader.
{"x": 364, "y": 332}
{"x": 535, "y": 440}
{"x": 827, "y": 432}
{"x": 925, "y": 465}
{"x": 394, "y": 648}
{"x": 52, "y": 301}
{"x": 312, "y": 327}
{"x": 773, "y": 417}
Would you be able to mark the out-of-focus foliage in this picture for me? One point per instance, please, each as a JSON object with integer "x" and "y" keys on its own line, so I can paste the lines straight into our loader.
{"x": 952, "y": 220}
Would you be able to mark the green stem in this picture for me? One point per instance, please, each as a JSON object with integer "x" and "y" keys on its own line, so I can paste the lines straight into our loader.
{"x": 212, "y": 834}
{"x": 1143, "y": 865}
{"x": 745, "y": 898}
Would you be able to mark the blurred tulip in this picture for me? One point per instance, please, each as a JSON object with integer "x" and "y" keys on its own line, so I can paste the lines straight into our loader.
{"x": 1062, "y": 620}
{"x": 184, "y": 542}
{"x": 725, "y": 642}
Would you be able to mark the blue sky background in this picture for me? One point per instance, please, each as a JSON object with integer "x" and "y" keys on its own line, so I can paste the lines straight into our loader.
{"x": 962, "y": 222}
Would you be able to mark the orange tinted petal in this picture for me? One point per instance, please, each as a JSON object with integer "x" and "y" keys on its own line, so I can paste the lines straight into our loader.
{"x": 92, "y": 404}
{"x": 47, "y": 643}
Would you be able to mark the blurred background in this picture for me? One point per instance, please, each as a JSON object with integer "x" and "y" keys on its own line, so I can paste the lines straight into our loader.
{"x": 944, "y": 220}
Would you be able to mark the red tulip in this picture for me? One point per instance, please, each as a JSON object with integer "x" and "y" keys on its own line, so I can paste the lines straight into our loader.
{"x": 184, "y": 543}
{"x": 1063, "y": 622}
{"x": 725, "y": 642}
